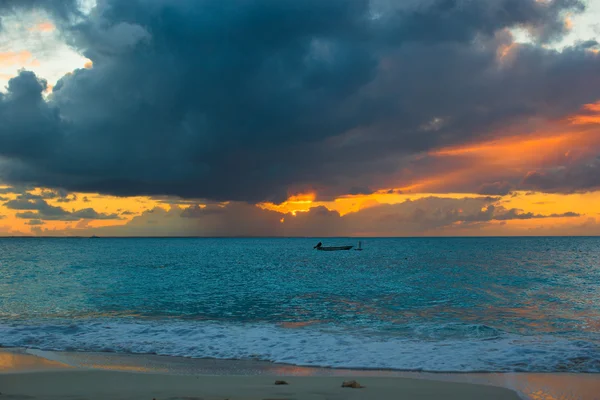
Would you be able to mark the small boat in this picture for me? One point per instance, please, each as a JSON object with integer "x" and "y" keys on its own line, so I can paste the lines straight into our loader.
{"x": 320, "y": 246}
{"x": 335, "y": 248}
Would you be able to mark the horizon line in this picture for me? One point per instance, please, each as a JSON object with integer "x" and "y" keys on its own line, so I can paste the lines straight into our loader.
{"x": 296, "y": 237}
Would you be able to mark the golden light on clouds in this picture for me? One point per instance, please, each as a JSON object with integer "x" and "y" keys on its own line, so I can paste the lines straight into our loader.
{"x": 505, "y": 51}
{"x": 45, "y": 26}
{"x": 555, "y": 143}
{"x": 592, "y": 117}
{"x": 568, "y": 23}
{"x": 18, "y": 59}
{"x": 124, "y": 207}
{"x": 301, "y": 202}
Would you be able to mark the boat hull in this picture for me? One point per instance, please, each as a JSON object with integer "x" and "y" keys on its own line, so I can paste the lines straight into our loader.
{"x": 336, "y": 248}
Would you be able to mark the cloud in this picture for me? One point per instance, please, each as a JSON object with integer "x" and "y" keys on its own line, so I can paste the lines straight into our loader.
{"x": 581, "y": 176}
{"x": 61, "y": 10}
{"x": 35, "y": 207}
{"x": 249, "y": 101}
{"x": 426, "y": 216}
{"x": 495, "y": 188}
{"x": 17, "y": 59}
{"x": 14, "y": 190}
{"x": 43, "y": 27}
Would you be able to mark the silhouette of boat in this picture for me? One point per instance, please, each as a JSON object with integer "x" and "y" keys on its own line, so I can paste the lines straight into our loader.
{"x": 332, "y": 248}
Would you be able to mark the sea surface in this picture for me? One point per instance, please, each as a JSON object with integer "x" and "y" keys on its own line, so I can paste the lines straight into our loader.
{"x": 427, "y": 304}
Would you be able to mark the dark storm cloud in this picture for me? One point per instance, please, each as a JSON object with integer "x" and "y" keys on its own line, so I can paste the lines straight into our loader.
{"x": 495, "y": 188}
{"x": 582, "y": 176}
{"x": 249, "y": 100}
{"x": 35, "y": 207}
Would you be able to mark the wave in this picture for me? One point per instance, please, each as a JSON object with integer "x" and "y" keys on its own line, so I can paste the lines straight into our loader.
{"x": 435, "y": 348}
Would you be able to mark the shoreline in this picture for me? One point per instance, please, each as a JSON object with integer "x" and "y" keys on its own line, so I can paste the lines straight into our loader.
{"x": 28, "y": 364}
{"x": 34, "y": 377}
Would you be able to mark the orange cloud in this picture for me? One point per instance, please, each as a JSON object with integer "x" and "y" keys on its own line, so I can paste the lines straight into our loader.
{"x": 568, "y": 23}
{"x": 594, "y": 107}
{"x": 505, "y": 51}
{"x": 514, "y": 149}
{"x": 553, "y": 143}
{"x": 591, "y": 117}
{"x": 43, "y": 27}
{"x": 295, "y": 203}
{"x": 20, "y": 59}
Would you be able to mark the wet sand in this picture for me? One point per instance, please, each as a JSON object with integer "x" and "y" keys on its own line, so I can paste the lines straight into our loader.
{"x": 53, "y": 375}
{"x": 96, "y": 385}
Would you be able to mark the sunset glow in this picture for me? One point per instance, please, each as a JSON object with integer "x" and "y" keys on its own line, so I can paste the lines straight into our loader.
{"x": 523, "y": 164}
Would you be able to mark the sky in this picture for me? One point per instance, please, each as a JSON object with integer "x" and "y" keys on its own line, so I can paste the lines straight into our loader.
{"x": 286, "y": 118}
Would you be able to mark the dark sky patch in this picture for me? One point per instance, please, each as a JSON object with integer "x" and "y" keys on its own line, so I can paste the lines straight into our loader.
{"x": 251, "y": 100}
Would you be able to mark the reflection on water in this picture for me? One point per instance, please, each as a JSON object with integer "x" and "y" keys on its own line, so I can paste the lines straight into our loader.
{"x": 300, "y": 324}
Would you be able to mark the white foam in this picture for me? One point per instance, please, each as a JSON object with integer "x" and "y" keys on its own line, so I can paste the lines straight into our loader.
{"x": 477, "y": 349}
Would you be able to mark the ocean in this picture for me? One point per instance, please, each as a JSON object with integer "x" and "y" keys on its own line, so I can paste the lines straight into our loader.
{"x": 422, "y": 304}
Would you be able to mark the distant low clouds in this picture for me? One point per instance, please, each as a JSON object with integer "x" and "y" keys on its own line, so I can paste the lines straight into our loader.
{"x": 10, "y": 190}
{"x": 250, "y": 100}
{"x": 34, "y": 207}
{"x": 495, "y": 188}
{"x": 426, "y": 216}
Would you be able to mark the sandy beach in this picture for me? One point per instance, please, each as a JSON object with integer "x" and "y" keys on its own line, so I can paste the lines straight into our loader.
{"x": 25, "y": 376}
{"x": 53, "y": 375}
{"x": 127, "y": 385}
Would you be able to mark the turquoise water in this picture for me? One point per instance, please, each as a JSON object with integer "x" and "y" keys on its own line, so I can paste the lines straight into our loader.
{"x": 460, "y": 304}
